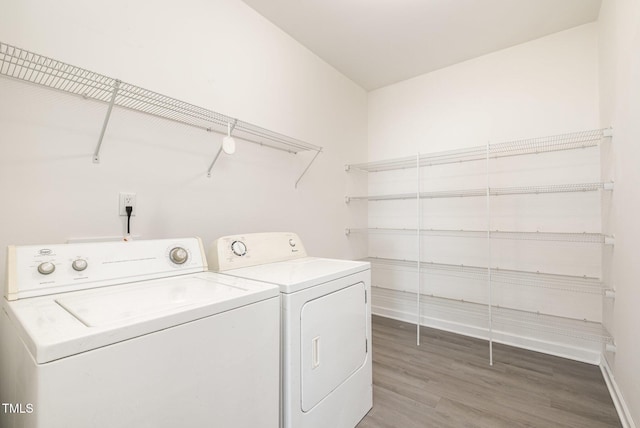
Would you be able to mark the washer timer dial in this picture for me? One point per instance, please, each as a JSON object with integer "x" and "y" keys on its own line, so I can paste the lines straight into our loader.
{"x": 45, "y": 268}
{"x": 238, "y": 248}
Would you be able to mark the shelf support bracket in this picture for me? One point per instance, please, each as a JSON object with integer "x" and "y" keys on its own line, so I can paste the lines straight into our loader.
{"x": 610, "y": 294}
{"x": 215, "y": 159}
{"x": 610, "y": 347}
{"x": 96, "y": 154}
{"x": 307, "y": 168}
{"x": 230, "y": 128}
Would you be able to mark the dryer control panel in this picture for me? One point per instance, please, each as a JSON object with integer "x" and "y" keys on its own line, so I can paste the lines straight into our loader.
{"x": 238, "y": 251}
{"x": 37, "y": 270}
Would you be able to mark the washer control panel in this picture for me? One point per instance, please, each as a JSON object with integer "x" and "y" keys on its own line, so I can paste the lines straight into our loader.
{"x": 236, "y": 251}
{"x": 36, "y": 270}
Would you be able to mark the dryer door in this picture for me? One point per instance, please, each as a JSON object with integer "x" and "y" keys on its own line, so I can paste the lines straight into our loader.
{"x": 333, "y": 336}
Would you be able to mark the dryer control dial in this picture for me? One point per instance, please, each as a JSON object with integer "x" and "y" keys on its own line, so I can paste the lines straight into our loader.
{"x": 45, "y": 268}
{"x": 79, "y": 265}
{"x": 178, "y": 255}
{"x": 239, "y": 248}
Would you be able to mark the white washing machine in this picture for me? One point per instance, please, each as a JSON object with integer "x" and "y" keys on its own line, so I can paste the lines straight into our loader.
{"x": 135, "y": 334}
{"x": 326, "y": 325}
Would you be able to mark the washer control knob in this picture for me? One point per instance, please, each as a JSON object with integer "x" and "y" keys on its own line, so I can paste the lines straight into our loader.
{"x": 292, "y": 242}
{"x": 178, "y": 255}
{"x": 79, "y": 265}
{"x": 239, "y": 248}
{"x": 46, "y": 268}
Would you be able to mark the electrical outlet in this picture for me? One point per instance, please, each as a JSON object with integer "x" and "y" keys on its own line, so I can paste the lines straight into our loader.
{"x": 128, "y": 200}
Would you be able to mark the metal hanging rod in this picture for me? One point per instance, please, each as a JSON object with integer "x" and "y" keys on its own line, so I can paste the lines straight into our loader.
{"x": 31, "y": 67}
{"x": 570, "y": 283}
{"x": 495, "y": 191}
{"x": 581, "y": 237}
{"x": 570, "y": 141}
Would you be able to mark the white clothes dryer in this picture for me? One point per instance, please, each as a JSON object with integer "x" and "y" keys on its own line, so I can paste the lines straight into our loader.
{"x": 326, "y": 377}
{"x": 135, "y": 335}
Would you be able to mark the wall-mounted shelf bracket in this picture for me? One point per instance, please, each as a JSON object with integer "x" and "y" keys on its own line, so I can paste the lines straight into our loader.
{"x": 347, "y": 231}
{"x": 307, "y": 168}
{"x": 96, "y": 154}
{"x": 215, "y": 159}
{"x": 230, "y": 128}
{"x": 347, "y": 168}
{"x": 608, "y": 185}
{"x": 611, "y": 347}
{"x": 609, "y": 240}
{"x": 610, "y": 294}
{"x": 608, "y": 132}
{"x": 347, "y": 199}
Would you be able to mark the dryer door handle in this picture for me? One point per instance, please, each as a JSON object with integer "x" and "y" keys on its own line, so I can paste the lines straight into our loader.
{"x": 315, "y": 352}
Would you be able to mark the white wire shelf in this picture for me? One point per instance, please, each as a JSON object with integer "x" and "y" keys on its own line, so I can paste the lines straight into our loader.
{"x": 570, "y": 283}
{"x": 570, "y": 141}
{"x": 582, "y": 237}
{"x": 37, "y": 69}
{"x": 502, "y": 318}
{"x": 494, "y": 191}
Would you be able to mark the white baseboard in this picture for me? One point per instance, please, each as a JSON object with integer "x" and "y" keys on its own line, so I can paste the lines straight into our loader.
{"x": 616, "y": 395}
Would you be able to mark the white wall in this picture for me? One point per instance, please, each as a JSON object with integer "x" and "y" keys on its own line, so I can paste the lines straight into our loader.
{"x": 545, "y": 87}
{"x": 217, "y": 54}
{"x": 619, "y": 25}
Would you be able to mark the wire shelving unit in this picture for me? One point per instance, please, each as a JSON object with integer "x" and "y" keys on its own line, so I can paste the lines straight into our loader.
{"x": 30, "y": 67}
{"x": 487, "y": 316}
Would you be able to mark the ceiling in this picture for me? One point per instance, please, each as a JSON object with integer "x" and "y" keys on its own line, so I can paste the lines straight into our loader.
{"x": 379, "y": 42}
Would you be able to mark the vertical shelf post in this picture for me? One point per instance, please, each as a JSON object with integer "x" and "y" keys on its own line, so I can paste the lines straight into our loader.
{"x": 490, "y": 330}
{"x": 418, "y": 215}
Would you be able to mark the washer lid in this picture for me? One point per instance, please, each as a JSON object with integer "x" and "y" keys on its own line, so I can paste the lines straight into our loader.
{"x": 61, "y": 325}
{"x": 296, "y": 275}
{"x": 116, "y": 306}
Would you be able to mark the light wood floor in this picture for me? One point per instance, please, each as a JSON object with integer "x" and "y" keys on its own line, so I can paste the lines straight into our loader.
{"x": 447, "y": 382}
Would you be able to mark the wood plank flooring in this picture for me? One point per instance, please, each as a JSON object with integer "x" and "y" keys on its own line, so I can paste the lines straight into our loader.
{"x": 447, "y": 382}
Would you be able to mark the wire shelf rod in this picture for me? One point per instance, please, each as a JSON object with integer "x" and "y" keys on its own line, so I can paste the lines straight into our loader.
{"x": 570, "y": 283}
{"x": 579, "y": 237}
{"x": 562, "y": 142}
{"x": 503, "y": 318}
{"x": 574, "y": 328}
{"x": 499, "y": 191}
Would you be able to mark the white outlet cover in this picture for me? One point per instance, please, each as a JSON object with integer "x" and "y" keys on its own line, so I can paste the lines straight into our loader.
{"x": 127, "y": 199}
